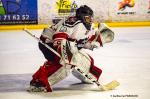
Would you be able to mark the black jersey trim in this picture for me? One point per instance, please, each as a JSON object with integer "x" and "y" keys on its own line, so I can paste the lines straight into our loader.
{"x": 68, "y": 25}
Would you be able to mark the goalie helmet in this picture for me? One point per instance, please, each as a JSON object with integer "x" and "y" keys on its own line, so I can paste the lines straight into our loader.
{"x": 85, "y": 14}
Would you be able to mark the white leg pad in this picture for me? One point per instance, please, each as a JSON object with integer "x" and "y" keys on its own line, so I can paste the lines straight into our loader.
{"x": 59, "y": 75}
{"x": 83, "y": 62}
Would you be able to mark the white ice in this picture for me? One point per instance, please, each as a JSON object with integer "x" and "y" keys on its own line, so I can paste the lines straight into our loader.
{"x": 126, "y": 59}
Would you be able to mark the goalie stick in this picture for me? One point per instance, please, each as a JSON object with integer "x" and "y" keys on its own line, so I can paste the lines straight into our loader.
{"x": 110, "y": 86}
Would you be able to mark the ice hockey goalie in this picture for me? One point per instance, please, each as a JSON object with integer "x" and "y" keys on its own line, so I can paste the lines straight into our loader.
{"x": 69, "y": 37}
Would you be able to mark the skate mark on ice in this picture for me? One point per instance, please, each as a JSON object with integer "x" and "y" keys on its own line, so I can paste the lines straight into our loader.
{"x": 20, "y": 83}
{"x": 14, "y": 82}
{"x": 124, "y": 41}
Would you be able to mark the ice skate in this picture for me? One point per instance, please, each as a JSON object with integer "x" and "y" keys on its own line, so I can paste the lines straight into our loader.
{"x": 37, "y": 86}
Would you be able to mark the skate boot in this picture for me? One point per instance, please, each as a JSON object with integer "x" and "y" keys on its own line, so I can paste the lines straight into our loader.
{"x": 38, "y": 86}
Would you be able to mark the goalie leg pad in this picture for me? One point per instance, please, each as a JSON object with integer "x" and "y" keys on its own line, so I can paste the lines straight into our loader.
{"x": 59, "y": 75}
{"x": 86, "y": 64}
{"x": 68, "y": 49}
{"x": 44, "y": 72}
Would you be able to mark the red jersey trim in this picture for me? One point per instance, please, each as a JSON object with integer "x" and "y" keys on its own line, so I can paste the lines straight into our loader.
{"x": 60, "y": 35}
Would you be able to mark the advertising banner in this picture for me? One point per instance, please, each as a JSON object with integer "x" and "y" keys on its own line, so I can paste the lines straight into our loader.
{"x": 53, "y": 9}
{"x": 18, "y": 12}
{"x": 129, "y": 10}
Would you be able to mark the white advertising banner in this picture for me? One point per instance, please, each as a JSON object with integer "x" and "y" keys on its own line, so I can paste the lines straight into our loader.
{"x": 104, "y": 10}
{"x": 129, "y": 10}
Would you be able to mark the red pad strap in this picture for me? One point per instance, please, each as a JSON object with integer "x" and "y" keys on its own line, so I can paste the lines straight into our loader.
{"x": 95, "y": 71}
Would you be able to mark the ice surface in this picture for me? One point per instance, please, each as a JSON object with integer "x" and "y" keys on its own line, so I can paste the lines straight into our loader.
{"x": 126, "y": 59}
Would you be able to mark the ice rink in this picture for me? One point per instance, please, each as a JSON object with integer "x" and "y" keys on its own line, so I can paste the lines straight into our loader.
{"x": 126, "y": 59}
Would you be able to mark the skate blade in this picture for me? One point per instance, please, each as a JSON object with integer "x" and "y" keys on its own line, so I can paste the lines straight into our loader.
{"x": 35, "y": 89}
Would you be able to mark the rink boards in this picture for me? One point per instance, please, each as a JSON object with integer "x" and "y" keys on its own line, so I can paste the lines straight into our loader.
{"x": 40, "y": 26}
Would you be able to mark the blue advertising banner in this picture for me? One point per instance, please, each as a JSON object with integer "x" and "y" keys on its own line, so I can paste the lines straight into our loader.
{"x": 18, "y": 12}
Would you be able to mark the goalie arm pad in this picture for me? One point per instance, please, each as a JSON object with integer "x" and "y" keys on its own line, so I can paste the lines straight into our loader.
{"x": 47, "y": 34}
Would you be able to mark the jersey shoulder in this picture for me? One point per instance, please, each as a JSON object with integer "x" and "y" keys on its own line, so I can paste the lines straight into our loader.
{"x": 72, "y": 22}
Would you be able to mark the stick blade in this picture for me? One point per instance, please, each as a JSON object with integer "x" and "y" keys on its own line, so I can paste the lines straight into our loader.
{"x": 110, "y": 86}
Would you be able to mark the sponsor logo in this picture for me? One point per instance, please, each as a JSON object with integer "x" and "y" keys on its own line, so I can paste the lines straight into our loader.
{"x": 125, "y": 3}
{"x": 2, "y": 10}
{"x": 65, "y": 7}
